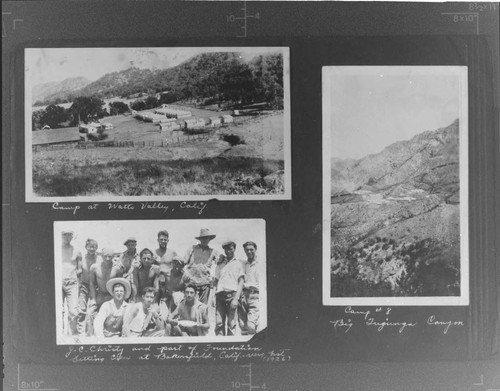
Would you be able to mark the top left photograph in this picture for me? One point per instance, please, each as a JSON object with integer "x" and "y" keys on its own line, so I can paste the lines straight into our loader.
{"x": 151, "y": 123}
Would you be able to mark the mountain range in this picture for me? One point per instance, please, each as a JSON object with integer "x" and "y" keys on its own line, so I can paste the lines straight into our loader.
{"x": 205, "y": 74}
{"x": 428, "y": 162}
{"x": 395, "y": 219}
{"x": 53, "y": 90}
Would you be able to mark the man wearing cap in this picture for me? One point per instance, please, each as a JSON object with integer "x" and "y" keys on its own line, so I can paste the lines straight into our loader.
{"x": 147, "y": 275}
{"x": 71, "y": 269}
{"x": 130, "y": 260}
{"x": 199, "y": 260}
{"x": 109, "y": 320}
{"x": 100, "y": 273}
{"x": 191, "y": 316}
{"x": 90, "y": 257}
{"x": 142, "y": 319}
{"x": 248, "y": 308}
{"x": 229, "y": 278}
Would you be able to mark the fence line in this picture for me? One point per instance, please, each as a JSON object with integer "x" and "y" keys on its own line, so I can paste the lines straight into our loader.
{"x": 164, "y": 142}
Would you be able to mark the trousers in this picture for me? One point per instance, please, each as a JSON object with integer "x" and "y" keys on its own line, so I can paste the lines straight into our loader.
{"x": 70, "y": 293}
{"x": 225, "y": 315}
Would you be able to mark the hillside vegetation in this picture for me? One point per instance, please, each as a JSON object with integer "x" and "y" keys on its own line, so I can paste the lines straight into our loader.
{"x": 207, "y": 78}
{"x": 395, "y": 219}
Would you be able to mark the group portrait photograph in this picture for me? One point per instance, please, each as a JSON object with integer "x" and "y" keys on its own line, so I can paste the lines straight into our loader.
{"x": 161, "y": 281}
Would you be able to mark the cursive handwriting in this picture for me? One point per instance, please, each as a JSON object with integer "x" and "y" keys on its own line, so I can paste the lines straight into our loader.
{"x": 198, "y": 206}
{"x": 179, "y": 352}
{"x": 155, "y": 205}
{"x": 115, "y": 205}
{"x": 349, "y": 310}
{"x": 341, "y": 323}
{"x": 446, "y": 324}
{"x": 381, "y": 325}
{"x": 73, "y": 208}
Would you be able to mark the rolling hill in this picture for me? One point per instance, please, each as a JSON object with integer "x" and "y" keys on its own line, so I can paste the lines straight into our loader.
{"x": 205, "y": 75}
{"x": 51, "y": 91}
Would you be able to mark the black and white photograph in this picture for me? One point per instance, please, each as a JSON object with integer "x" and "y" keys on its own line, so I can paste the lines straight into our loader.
{"x": 157, "y": 123}
{"x": 159, "y": 281}
{"x": 395, "y": 185}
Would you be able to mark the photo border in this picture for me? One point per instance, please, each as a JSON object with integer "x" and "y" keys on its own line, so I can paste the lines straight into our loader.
{"x": 328, "y": 72}
{"x": 60, "y": 225}
{"x": 30, "y": 197}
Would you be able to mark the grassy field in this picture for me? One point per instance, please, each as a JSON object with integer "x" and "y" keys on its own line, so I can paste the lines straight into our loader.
{"x": 133, "y": 177}
{"x": 209, "y": 167}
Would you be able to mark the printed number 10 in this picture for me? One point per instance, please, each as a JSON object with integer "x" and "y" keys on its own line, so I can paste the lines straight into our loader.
{"x": 230, "y": 18}
{"x": 235, "y": 384}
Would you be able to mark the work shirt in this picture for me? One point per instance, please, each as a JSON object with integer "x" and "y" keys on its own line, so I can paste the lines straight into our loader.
{"x": 252, "y": 274}
{"x": 227, "y": 273}
{"x": 199, "y": 262}
{"x": 141, "y": 321}
{"x": 109, "y": 320}
{"x": 127, "y": 260}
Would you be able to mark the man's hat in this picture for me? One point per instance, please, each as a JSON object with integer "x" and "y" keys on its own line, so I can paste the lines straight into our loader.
{"x": 131, "y": 239}
{"x": 205, "y": 233}
{"x": 227, "y": 243}
{"x": 119, "y": 280}
{"x": 67, "y": 232}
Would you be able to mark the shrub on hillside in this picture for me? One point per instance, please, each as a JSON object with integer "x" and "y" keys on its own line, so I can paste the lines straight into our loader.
{"x": 233, "y": 139}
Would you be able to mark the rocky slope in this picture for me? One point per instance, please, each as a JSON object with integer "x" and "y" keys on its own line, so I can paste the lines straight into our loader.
{"x": 395, "y": 219}
{"x": 428, "y": 162}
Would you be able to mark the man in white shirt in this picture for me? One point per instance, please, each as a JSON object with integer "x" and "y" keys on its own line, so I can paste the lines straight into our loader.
{"x": 248, "y": 308}
{"x": 109, "y": 320}
{"x": 229, "y": 278}
{"x": 143, "y": 319}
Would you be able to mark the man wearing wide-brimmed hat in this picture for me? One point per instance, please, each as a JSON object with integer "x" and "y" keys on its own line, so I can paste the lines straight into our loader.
{"x": 109, "y": 320}
{"x": 229, "y": 279}
{"x": 100, "y": 274}
{"x": 199, "y": 260}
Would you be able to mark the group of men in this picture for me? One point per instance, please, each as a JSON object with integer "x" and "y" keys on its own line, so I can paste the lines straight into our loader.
{"x": 159, "y": 293}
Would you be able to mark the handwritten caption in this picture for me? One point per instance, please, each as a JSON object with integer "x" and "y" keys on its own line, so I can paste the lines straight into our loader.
{"x": 197, "y": 207}
{"x": 379, "y": 319}
{"x": 179, "y": 352}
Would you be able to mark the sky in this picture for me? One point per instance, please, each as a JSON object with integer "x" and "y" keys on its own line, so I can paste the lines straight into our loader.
{"x": 373, "y": 107}
{"x": 182, "y": 233}
{"x": 56, "y": 64}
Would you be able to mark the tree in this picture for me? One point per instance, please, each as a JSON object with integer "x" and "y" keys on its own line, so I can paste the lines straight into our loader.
{"x": 151, "y": 102}
{"x": 268, "y": 74}
{"x": 167, "y": 98}
{"x": 138, "y": 105}
{"x": 54, "y": 116}
{"x": 36, "y": 117}
{"x": 86, "y": 109}
{"x": 116, "y": 108}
